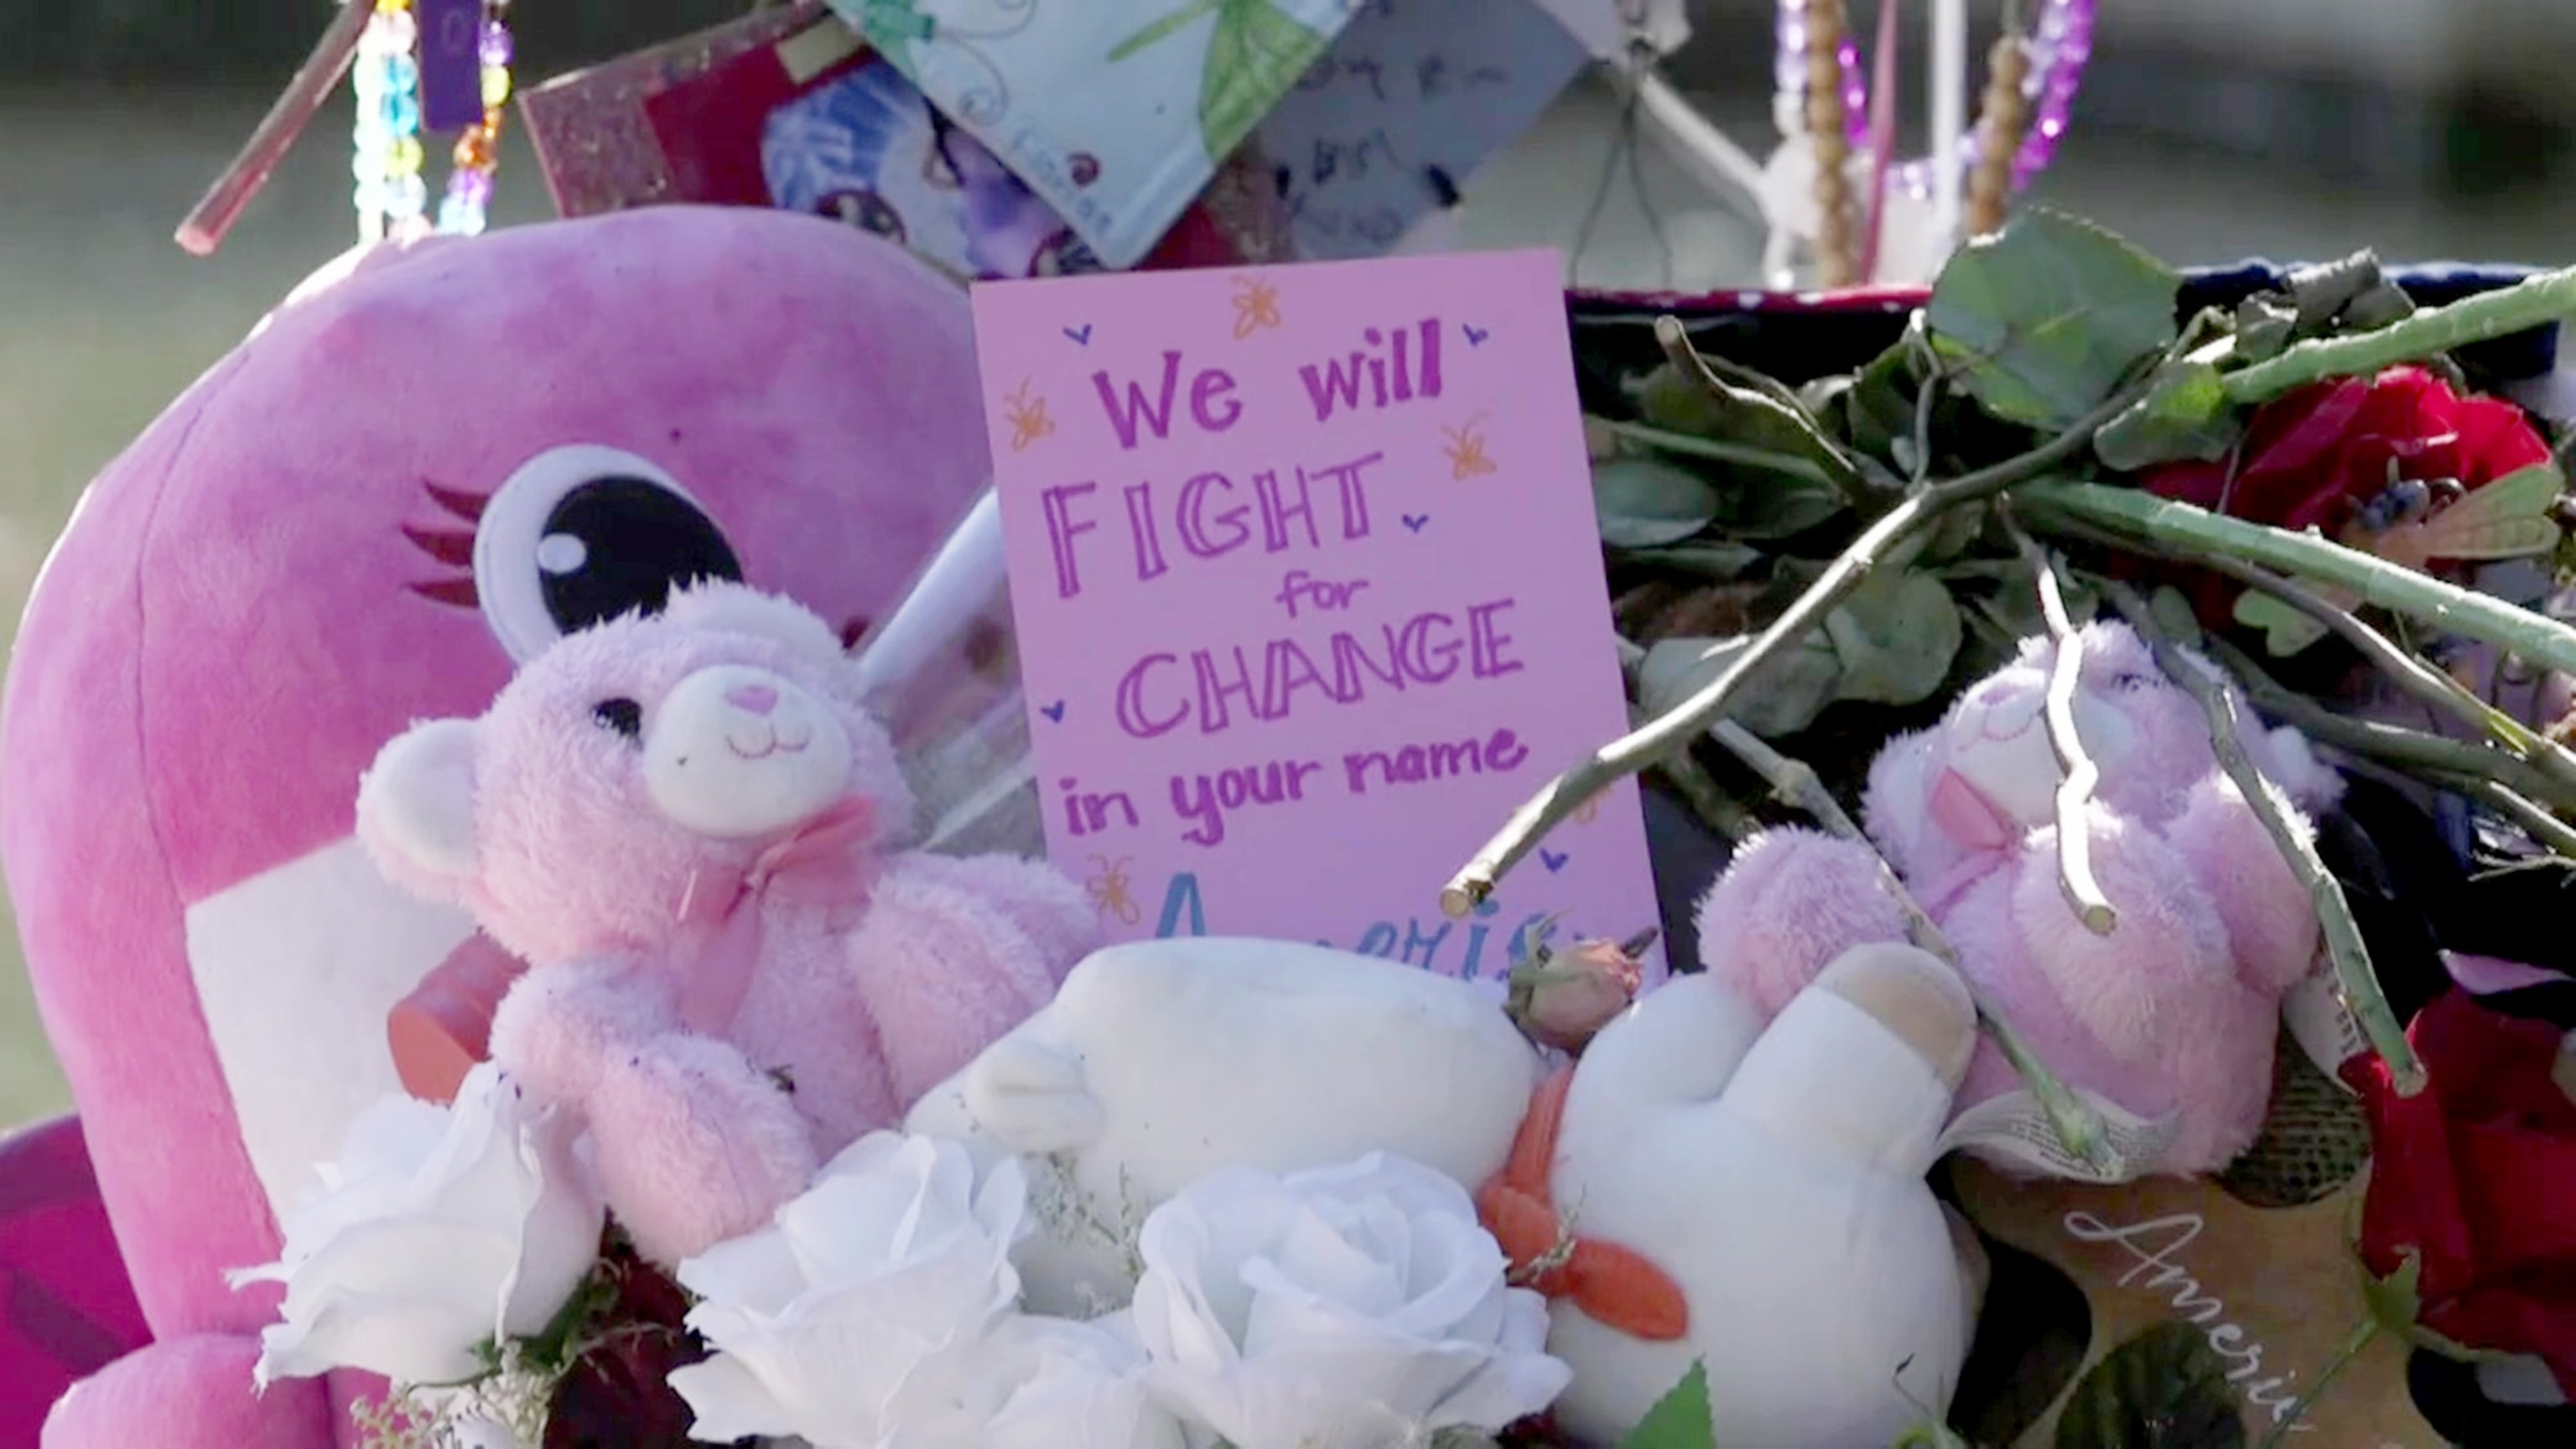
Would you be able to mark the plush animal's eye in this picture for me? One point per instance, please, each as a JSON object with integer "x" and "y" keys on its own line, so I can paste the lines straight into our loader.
{"x": 2129, "y": 680}
{"x": 624, "y": 716}
{"x": 582, "y": 534}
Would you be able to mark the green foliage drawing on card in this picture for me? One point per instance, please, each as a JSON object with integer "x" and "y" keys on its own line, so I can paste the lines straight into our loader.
{"x": 2044, "y": 320}
{"x": 2164, "y": 1389}
{"x": 1679, "y": 1420}
{"x": 1255, "y": 55}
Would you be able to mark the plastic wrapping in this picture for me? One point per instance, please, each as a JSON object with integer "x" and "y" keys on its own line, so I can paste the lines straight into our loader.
{"x": 943, "y": 671}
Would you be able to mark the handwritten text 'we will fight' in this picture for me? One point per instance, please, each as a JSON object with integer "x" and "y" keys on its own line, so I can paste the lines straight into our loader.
{"x": 1336, "y": 659}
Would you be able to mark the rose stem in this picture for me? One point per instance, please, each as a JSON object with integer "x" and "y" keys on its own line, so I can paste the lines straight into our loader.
{"x": 2500, "y": 780}
{"x": 1795, "y": 782}
{"x": 1719, "y": 450}
{"x": 2425, "y": 683}
{"x": 2354, "y": 1344}
{"x": 2077, "y": 774}
{"x": 1639, "y": 748}
{"x": 2132, "y": 513}
{"x": 2501, "y": 313}
{"x": 2388, "y": 743}
{"x": 2351, "y": 956}
{"x": 1674, "y": 338}
{"x": 1683, "y": 771}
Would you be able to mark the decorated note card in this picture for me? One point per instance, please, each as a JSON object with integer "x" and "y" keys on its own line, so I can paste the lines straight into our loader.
{"x": 1397, "y": 118}
{"x": 1309, "y": 598}
{"x": 1118, "y": 114}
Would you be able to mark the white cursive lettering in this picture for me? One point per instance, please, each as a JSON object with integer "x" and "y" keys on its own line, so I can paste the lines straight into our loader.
{"x": 2154, "y": 1253}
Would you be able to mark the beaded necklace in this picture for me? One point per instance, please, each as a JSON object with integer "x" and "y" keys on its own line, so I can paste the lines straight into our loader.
{"x": 392, "y": 195}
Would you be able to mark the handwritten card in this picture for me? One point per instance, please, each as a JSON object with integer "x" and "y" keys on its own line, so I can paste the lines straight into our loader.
{"x": 1413, "y": 97}
{"x": 1309, "y": 597}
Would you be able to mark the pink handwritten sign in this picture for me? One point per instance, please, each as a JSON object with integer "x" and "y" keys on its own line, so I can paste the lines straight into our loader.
{"x": 1310, "y": 596}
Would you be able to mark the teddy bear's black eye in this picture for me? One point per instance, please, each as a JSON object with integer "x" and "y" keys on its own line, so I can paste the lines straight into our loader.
{"x": 622, "y": 715}
{"x": 2131, "y": 680}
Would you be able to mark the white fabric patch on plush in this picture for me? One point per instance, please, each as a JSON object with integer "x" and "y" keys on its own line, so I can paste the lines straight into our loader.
{"x": 296, "y": 969}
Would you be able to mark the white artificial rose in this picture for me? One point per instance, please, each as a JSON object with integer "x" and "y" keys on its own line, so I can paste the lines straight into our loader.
{"x": 1356, "y": 1307}
{"x": 854, "y": 1320}
{"x": 1071, "y": 1385}
{"x": 439, "y": 1230}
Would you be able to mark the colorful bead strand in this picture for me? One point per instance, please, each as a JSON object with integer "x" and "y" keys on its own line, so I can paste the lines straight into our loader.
{"x": 392, "y": 194}
{"x": 467, "y": 207}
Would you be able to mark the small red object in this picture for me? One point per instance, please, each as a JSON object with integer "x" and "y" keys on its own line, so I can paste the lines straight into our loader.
{"x": 443, "y": 1030}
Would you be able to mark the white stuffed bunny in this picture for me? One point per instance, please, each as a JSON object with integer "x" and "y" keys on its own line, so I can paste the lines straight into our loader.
{"x": 1775, "y": 1178}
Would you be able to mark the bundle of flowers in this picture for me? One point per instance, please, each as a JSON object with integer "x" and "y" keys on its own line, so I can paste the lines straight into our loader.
{"x": 2310, "y": 506}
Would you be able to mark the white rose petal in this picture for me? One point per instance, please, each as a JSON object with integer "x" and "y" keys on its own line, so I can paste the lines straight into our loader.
{"x": 439, "y": 1229}
{"x": 1349, "y": 1308}
{"x": 1074, "y": 1386}
{"x": 860, "y": 1315}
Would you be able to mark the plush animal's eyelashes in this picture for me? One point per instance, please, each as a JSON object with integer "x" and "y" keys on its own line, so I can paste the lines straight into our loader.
{"x": 2130, "y": 679}
{"x": 577, "y": 535}
{"x": 622, "y": 716}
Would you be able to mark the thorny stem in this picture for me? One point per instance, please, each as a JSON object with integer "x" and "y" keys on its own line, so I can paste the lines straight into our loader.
{"x": 2077, "y": 774}
{"x": 1562, "y": 796}
{"x": 1795, "y": 782}
{"x": 2133, "y": 514}
{"x": 2386, "y": 742}
{"x": 2409, "y": 673}
{"x": 2351, "y": 956}
{"x": 2524, "y": 305}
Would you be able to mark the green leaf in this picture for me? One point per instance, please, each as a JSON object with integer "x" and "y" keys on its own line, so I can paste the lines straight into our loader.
{"x": 2047, "y": 317}
{"x": 1719, "y": 559}
{"x": 1759, "y": 415}
{"x": 1647, "y": 502}
{"x": 2185, "y": 414}
{"x": 1878, "y": 408}
{"x": 2397, "y": 1301}
{"x": 1257, "y": 53}
{"x": 1786, "y": 695}
{"x": 1895, "y": 639}
{"x": 1680, "y": 1419}
{"x": 2164, "y": 1389}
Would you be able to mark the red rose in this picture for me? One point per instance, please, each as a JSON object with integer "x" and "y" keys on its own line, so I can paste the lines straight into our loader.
{"x": 2316, "y": 457}
{"x": 2473, "y": 1180}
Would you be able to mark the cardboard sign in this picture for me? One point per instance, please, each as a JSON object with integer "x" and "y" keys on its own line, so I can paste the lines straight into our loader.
{"x": 1309, "y": 597}
{"x": 2278, "y": 1291}
{"x": 1394, "y": 122}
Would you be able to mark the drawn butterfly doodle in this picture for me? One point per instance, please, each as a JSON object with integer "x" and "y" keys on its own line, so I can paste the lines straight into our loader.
{"x": 2413, "y": 525}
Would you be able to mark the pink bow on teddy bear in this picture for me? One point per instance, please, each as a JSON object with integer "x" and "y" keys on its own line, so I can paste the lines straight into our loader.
{"x": 2173, "y": 1014}
{"x": 680, "y": 821}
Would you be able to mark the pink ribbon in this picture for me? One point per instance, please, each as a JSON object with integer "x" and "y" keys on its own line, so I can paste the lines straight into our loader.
{"x": 824, "y": 862}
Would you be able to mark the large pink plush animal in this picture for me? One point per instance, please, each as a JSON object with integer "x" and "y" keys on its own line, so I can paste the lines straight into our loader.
{"x": 681, "y": 818}
{"x": 2174, "y": 1012}
{"x": 422, "y": 469}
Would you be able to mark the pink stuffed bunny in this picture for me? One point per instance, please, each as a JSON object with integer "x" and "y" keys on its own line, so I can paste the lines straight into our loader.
{"x": 676, "y": 818}
{"x": 2176, "y": 1010}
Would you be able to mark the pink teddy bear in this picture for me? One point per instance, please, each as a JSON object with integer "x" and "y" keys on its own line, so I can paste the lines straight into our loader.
{"x": 2175, "y": 1012}
{"x": 677, "y": 819}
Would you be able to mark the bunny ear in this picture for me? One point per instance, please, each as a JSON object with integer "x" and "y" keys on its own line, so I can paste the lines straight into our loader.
{"x": 416, "y": 809}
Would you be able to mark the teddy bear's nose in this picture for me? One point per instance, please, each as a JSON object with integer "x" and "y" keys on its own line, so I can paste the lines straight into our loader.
{"x": 752, "y": 698}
